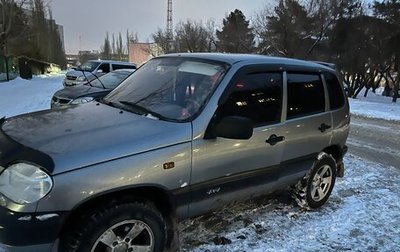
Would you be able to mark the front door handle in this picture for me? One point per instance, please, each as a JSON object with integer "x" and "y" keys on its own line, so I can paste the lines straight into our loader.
{"x": 274, "y": 139}
{"x": 324, "y": 127}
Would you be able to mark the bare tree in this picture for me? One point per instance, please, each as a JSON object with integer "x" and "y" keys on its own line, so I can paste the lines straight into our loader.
{"x": 162, "y": 39}
{"x": 324, "y": 14}
{"x": 191, "y": 36}
{"x": 7, "y": 19}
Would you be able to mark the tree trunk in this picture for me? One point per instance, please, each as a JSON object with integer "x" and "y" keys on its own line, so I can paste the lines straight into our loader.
{"x": 366, "y": 91}
{"x": 7, "y": 71}
{"x": 396, "y": 83}
{"x": 377, "y": 84}
{"x": 357, "y": 91}
{"x": 396, "y": 90}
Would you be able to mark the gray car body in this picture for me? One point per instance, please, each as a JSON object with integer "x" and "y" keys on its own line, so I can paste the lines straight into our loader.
{"x": 97, "y": 149}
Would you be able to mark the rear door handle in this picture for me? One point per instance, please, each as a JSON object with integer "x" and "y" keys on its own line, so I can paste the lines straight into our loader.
{"x": 274, "y": 139}
{"x": 324, "y": 127}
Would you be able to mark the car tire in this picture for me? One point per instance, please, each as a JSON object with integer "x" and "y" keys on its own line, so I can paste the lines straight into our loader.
{"x": 314, "y": 189}
{"x": 122, "y": 225}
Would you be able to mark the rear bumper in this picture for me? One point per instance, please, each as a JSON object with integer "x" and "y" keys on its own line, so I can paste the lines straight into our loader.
{"x": 29, "y": 232}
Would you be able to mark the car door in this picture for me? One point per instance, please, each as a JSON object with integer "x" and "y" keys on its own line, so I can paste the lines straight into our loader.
{"x": 226, "y": 169}
{"x": 308, "y": 126}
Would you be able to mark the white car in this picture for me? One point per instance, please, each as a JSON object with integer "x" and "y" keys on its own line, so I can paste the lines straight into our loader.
{"x": 93, "y": 69}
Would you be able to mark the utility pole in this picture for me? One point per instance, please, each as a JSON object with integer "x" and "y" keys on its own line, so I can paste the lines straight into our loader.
{"x": 170, "y": 33}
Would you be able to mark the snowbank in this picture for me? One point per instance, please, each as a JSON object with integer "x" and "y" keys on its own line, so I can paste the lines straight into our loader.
{"x": 22, "y": 96}
{"x": 375, "y": 106}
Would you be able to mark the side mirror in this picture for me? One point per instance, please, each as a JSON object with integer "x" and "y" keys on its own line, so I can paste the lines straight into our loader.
{"x": 99, "y": 71}
{"x": 235, "y": 127}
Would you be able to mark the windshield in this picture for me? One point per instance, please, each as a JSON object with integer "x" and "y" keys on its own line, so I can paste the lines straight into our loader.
{"x": 110, "y": 80}
{"x": 173, "y": 88}
{"x": 89, "y": 66}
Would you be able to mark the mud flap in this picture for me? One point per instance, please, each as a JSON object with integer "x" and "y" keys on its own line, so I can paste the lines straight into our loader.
{"x": 340, "y": 169}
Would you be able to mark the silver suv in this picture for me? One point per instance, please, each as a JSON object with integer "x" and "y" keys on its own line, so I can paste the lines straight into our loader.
{"x": 185, "y": 134}
{"x": 93, "y": 69}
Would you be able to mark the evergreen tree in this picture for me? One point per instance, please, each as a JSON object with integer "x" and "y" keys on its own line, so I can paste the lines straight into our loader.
{"x": 236, "y": 35}
{"x": 106, "y": 48}
{"x": 120, "y": 47}
{"x": 287, "y": 31}
{"x": 113, "y": 47}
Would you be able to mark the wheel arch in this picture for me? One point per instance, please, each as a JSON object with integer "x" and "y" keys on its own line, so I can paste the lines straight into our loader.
{"x": 152, "y": 194}
{"x": 336, "y": 151}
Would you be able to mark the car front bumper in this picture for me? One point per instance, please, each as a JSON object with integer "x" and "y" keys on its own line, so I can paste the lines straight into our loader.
{"x": 29, "y": 232}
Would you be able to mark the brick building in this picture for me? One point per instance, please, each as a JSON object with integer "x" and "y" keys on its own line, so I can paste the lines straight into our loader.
{"x": 139, "y": 53}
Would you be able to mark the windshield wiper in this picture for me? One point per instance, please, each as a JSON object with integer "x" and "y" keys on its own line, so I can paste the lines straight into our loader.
{"x": 142, "y": 110}
{"x": 90, "y": 81}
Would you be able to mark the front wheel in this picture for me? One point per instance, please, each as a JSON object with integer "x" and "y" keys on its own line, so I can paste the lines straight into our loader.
{"x": 314, "y": 189}
{"x": 124, "y": 227}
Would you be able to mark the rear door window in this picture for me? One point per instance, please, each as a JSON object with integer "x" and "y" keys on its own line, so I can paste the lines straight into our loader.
{"x": 105, "y": 67}
{"x": 305, "y": 95}
{"x": 336, "y": 96}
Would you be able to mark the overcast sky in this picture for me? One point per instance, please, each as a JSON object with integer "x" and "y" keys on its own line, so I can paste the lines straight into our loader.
{"x": 92, "y": 19}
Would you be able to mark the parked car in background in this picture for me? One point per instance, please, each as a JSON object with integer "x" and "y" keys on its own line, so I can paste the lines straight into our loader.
{"x": 93, "y": 69}
{"x": 183, "y": 135}
{"x": 91, "y": 90}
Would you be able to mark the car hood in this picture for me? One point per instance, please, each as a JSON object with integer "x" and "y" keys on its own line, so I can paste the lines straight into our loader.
{"x": 92, "y": 133}
{"x": 78, "y": 91}
{"x": 75, "y": 73}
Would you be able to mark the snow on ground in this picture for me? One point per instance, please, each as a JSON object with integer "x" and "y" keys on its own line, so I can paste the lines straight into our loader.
{"x": 375, "y": 106}
{"x": 22, "y": 96}
{"x": 362, "y": 214}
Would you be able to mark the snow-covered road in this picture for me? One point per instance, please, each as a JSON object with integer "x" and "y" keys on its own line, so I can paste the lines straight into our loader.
{"x": 375, "y": 140}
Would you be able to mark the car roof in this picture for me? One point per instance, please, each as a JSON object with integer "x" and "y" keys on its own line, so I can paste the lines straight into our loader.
{"x": 232, "y": 58}
{"x": 124, "y": 70}
{"x": 113, "y": 62}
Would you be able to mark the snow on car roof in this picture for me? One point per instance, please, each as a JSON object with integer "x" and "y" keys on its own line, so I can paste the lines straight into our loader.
{"x": 232, "y": 58}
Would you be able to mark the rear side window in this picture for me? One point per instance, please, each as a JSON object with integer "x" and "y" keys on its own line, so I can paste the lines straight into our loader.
{"x": 257, "y": 96}
{"x": 305, "y": 95}
{"x": 116, "y": 67}
{"x": 336, "y": 97}
{"x": 105, "y": 67}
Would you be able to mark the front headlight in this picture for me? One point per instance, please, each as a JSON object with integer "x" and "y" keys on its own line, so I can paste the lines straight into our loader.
{"x": 24, "y": 183}
{"x": 81, "y": 78}
{"x": 82, "y": 100}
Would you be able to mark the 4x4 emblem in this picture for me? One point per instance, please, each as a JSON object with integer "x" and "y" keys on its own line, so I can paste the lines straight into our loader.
{"x": 213, "y": 191}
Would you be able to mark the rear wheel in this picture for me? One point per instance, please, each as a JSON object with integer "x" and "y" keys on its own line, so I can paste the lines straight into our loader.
{"x": 314, "y": 189}
{"x": 124, "y": 227}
